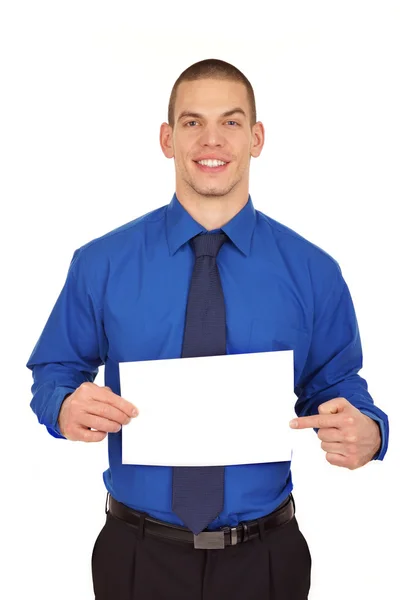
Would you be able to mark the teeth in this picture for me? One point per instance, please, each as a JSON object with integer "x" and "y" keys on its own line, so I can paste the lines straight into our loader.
{"x": 211, "y": 163}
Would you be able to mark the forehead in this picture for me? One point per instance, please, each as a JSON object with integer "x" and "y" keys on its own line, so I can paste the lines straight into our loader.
{"x": 213, "y": 95}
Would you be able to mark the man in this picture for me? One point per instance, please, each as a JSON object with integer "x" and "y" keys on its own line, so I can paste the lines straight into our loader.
{"x": 206, "y": 274}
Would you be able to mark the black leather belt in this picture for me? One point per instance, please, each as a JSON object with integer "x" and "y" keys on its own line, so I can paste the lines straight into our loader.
{"x": 225, "y": 536}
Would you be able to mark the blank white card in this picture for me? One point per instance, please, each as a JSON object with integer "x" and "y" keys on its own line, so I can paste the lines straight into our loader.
{"x": 215, "y": 410}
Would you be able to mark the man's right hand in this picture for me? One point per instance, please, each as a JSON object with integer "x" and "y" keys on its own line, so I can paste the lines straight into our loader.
{"x": 93, "y": 407}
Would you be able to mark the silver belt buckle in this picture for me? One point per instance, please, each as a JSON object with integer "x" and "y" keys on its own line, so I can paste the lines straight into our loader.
{"x": 209, "y": 540}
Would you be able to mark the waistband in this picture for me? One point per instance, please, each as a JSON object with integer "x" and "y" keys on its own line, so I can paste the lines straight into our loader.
{"x": 206, "y": 540}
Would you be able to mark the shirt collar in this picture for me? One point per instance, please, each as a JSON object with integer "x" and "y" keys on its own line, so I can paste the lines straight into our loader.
{"x": 181, "y": 227}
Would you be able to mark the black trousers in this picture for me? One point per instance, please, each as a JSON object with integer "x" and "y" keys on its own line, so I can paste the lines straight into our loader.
{"x": 130, "y": 565}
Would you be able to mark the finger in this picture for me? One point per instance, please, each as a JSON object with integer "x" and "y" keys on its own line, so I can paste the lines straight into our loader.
{"x": 331, "y": 434}
{"x": 99, "y": 423}
{"x": 86, "y": 435}
{"x": 318, "y": 421}
{"x": 120, "y": 403}
{"x": 337, "y": 460}
{"x": 334, "y": 448}
{"x": 333, "y": 406}
{"x": 107, "y": 411}
{"x": 103, "y": 394}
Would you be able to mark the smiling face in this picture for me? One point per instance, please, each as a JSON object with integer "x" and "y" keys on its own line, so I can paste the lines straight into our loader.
{"x": 212, "y": 121}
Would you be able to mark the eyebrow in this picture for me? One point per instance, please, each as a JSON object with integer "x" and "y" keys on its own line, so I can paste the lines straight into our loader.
{"x": 228, "y": 113}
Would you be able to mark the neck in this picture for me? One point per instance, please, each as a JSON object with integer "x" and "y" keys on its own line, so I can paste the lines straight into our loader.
{"x": 213, "y": 212}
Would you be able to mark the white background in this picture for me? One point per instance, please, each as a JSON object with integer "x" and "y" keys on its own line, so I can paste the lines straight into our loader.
{"x": 85, "y": 87}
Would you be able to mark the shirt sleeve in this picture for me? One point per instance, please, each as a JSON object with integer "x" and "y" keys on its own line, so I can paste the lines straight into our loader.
{"x": 70, "y": 348}
{"x": 334, "y": 359}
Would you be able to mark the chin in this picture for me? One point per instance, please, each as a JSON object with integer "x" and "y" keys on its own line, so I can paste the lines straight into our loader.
{"x": 214, "y": 193}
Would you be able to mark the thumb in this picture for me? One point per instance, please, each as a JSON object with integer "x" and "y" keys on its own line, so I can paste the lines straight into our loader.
{"x": 333, "y": 406}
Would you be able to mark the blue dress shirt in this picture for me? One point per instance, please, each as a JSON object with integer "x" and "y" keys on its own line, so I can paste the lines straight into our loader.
{"x": 125, "y": 298}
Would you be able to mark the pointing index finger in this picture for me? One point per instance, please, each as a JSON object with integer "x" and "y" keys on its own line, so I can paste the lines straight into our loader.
{"x": 317, "y": 421}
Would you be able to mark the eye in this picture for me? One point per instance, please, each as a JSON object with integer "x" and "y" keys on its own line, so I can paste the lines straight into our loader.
{"x": 190, "y": 122}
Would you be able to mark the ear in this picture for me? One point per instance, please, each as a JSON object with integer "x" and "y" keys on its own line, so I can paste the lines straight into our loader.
{"x": 166, "y": 140}
{"x": 258, "y": 139}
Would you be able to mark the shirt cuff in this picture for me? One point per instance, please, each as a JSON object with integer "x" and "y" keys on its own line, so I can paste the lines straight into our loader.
{"x": 379, "y": 455}
{"x": 57, "y": 399}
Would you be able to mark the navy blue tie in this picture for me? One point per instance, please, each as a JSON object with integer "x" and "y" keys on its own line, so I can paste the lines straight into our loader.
{"x": 198, "y": 492}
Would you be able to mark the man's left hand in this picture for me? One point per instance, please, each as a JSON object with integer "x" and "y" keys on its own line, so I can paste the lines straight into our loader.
{"x": 350, "y": 438}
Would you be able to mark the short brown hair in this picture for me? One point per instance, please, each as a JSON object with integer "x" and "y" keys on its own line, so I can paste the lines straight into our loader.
{"x": 212, "y": 68}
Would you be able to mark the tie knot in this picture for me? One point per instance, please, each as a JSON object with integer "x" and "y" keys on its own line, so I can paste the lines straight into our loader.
{"x": 208, "y": 244}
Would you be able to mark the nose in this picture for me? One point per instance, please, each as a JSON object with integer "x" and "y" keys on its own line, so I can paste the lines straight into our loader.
{"x": 212, "y": 136}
